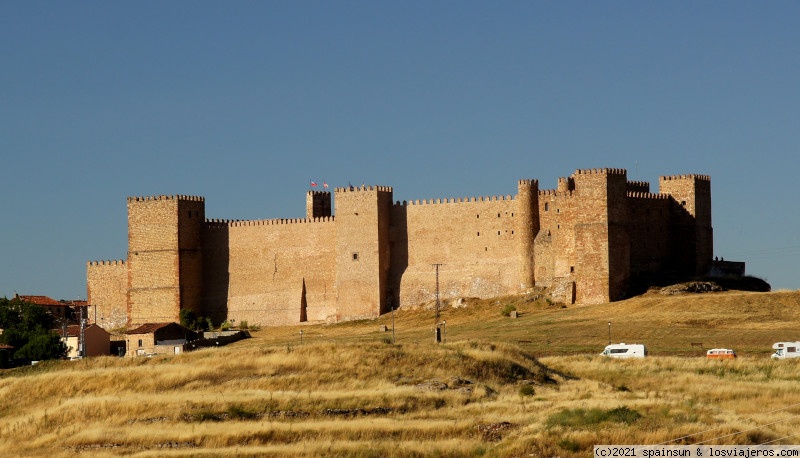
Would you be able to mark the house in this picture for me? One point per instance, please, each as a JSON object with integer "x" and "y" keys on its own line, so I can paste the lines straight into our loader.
{"x": 98, "y": 340}
{"x": 61, "y": 310}
{"x": 157, "y": 339}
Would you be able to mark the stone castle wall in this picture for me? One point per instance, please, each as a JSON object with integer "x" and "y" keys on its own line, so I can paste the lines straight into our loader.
{"x": 592, "y": 239}
{"x": 107, "y": 291}
{"x": 271, "y": 272}
{"x": 474, "y": 239}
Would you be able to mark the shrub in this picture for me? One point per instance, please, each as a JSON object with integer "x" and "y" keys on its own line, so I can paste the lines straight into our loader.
{"x": 526, "y": 390}
{"x": 582, "y": 417}
{"x": 508, "y": 309}
{"x": 243, "y": 324}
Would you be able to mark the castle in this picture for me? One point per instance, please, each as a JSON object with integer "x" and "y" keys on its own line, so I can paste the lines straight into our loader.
{"x": 593, "y": 239}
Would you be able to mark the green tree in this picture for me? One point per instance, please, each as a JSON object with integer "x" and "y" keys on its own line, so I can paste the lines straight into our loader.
{"x": 29, "y": 329}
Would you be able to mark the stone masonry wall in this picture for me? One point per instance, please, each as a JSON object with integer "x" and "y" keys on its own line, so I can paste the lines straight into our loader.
{"x": 474, "y": 239}
{"x": 272, "y": 268}
{"x": 107, "y": 290}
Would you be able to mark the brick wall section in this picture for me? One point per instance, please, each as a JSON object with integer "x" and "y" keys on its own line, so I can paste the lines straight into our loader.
{"x": 107, "y": 290}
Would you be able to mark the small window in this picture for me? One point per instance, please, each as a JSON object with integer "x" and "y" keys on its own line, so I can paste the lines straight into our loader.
{"x": 498, "y": 215}
{"x": 479, "y": 234}
{"x": 683, "y": 202}
{"x": 572, "y": 269}
{"x": 355, "y": 256}
{"x": 546, "y": 206}
{"x": 140, "y": 342}
{"x": 498, "y": 232}
{"x": 477, "y": 216}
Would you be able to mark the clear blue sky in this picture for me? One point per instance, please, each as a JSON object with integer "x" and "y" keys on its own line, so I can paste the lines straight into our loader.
{"x": 245, "y": 102}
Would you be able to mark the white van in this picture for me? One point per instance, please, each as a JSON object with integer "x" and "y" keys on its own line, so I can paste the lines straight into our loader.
{"x": 623, "y": 350}
{"x": 785, "y": 350}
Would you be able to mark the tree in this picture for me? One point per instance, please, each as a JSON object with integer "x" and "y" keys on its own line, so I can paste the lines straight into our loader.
{"x": 29, "y": 329}
{"x": 191, "y": 320}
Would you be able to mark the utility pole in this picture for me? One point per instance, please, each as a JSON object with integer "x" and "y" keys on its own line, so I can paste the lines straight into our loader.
{"x": 437, "y": 306}
{"x": 82, "y": 341}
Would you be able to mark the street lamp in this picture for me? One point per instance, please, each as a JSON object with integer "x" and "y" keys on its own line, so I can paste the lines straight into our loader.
{"x": 301, "y": 337}
{"x": 609, "y": 333}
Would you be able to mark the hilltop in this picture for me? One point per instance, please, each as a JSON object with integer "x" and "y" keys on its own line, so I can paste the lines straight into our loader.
{"x": 499, "y": 386}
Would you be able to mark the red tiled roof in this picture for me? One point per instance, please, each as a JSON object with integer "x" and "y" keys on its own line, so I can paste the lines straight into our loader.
{"x": 147, "y": 328}
{"x": 42, "y": 300}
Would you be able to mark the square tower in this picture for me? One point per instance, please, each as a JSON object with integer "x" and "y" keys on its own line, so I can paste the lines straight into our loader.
{"x": 363, "y": 253}
{"x": 164, "y": 256}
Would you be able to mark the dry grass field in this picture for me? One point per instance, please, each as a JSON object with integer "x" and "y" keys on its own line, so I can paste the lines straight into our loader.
{"x": 498, "y": 386}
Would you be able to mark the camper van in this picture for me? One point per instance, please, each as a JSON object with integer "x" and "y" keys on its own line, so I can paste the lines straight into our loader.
{"x": 721, "y": 353}
{"x": 785, "y": 350}
{"x": 623, "y": 350}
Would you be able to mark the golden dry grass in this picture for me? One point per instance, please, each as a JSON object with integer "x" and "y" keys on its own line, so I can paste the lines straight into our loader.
{"x": 498, "y": 387}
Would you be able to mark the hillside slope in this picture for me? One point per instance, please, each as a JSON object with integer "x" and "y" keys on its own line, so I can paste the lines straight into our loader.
{"x": 499, "y": 386}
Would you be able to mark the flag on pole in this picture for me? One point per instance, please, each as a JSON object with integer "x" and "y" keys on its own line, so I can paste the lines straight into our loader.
{"x": 325, "y": 185}
{"x": 313, "y": 184}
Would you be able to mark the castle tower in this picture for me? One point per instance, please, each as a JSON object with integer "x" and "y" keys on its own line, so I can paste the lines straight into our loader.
{"x": 527, "y": 227}
{"x": 601, "y": 241}
{"x": 318, "y": 204}
{"x": 164, "y": 257}
{"x": 362, "y": 250}
{"x": 692, "y": 220}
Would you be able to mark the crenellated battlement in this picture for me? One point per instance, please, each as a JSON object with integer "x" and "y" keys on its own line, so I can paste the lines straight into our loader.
{"x": 647, "y": 195}
{"x": 319, "y": 193}
{"x": 638, "y": 186}
{"x": 165, "y": 197}
{"x": 116, "y": 262}
{"x": 528, "y": 182}
{"x": 454, "y": 200}
{"x": 687, "y": 177}
{"x": 364, "y": 188}
{"x": 555, "y": 192}
{"x": 603, "y": 171}
{"x": 223, "y": 223}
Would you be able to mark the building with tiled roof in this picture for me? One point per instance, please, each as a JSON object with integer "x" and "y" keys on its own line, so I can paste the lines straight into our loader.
{"x": 98, "y": 340}
{"x": 157, "y": 338}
